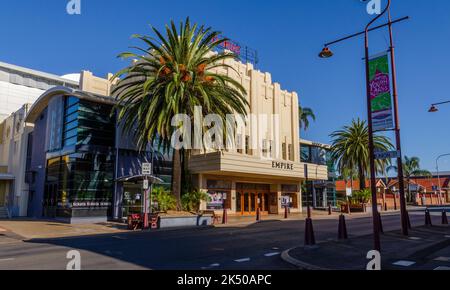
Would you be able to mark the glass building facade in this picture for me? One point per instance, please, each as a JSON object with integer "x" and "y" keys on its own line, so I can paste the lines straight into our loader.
{"x": 80, "y": 172}
{"x": 319, "y": 194}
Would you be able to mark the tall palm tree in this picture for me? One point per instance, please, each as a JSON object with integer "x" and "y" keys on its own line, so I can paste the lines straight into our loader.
{"x": 305, "y": 114}
{"x": 411, "y": 168}
{"x": 350, "y": 150}
{"x": 171, "y": 75}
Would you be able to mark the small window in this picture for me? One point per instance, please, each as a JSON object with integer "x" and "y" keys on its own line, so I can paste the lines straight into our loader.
{"x": 283, "y": 148}
{"x": 248, "y": 151}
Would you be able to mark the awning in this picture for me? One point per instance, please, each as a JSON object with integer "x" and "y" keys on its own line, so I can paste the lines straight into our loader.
{"x": 152, "y": 179}
{"x": 7, "y": 177}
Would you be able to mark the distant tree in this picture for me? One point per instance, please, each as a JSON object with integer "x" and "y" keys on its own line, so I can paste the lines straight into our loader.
{"x": 350, "y": 150}
{"x": 305, "y": 114}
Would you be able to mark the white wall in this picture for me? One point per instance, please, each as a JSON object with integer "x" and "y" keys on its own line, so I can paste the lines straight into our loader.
{"x": 13, "y": 97}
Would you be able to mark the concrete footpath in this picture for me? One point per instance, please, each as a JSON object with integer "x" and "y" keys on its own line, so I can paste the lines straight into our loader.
{"x": 426, "y": 248}
{"x": 25, "y": 229}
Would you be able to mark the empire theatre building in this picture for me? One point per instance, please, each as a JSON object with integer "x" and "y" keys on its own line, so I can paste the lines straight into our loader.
{"x": 270, "y": 176}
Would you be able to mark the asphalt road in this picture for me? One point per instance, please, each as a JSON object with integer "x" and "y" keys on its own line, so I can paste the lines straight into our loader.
{"x": 256, "y": 247}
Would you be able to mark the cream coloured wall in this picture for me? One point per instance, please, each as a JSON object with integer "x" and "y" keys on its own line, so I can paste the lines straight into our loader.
{"x": 267, "y": 97}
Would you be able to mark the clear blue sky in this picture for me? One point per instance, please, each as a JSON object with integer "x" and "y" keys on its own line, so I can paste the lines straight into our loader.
{"x": 288, "y": 36}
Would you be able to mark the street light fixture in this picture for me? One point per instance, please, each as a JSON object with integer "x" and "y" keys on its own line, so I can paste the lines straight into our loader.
{"x": 326, "y": 53}
{"x": 434, "y": 107}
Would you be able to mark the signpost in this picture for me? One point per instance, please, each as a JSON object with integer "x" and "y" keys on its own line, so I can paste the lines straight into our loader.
{"x": 146, "y": 171}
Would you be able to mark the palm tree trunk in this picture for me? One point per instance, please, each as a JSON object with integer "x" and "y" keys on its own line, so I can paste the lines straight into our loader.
{"x": 362, "y": 178}
{"x": 410, "y": 199}
{"x": 176, "y": 177}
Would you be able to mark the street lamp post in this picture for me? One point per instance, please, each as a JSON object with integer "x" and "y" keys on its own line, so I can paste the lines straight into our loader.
{"x": 375, "y": 217}
{"x": 401, "y": 182}
{"x": 326, "y": 53}
{"x": 438, "y": 174}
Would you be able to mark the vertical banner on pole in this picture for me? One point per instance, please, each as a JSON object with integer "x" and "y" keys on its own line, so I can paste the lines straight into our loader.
{"x": 380, "y": 93}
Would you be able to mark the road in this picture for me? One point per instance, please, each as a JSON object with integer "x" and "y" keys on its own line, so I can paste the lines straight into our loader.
{"x": 255, "y": 247}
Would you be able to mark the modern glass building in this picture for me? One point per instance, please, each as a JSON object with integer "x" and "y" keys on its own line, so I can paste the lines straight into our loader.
{"x": 319, "y": 193}
{"x": 83, "y": 167}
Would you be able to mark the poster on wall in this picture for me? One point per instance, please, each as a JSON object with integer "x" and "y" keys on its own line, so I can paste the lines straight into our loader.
{"x": 380, "y": 93}
{"x": 216, "y": 200}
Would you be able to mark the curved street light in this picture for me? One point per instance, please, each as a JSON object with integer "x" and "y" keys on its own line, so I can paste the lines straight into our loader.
{"x": 434, "y": 107}
{"x": 327, "y": 53}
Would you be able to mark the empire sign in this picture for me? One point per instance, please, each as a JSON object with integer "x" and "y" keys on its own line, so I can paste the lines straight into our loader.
{"x": 282, "y": 165}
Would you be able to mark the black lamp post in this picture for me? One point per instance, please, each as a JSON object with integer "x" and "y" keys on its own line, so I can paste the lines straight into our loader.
{"x": 327, "y": 53}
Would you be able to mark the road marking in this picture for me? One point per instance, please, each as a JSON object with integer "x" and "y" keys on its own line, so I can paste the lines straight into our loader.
{"x": 7, "y": 259}
{"x": 242, "y": 260}
{"x": 272, "y": 254}
{"x": 443, "y": 259}
{"x": 275, "y": 248}
{"x": 215, "y": 265}
{"x": 447, "y": 236}
{"x": 211, "y": 266}
{"x": 119, "y": 238}
{"x": 415, "y": 238}
{"x": 404, "y": 263}
{"x": 442, "y": 268}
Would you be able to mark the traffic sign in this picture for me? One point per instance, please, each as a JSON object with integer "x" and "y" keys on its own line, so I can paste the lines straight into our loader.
{"x": 146, "y": 169}
{"x": 380, "y": 155}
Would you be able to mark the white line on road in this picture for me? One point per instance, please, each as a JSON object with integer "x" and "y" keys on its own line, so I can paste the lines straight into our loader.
{"x": 7, "y": 260}
{"x": 211, "y": 266}
{"x": 242, "y": 260}
{"x": 272, "y": 254}
{"x": 442, "y": 259}
{"x": 442, "y": 268}
{"x": 404, "y": 263}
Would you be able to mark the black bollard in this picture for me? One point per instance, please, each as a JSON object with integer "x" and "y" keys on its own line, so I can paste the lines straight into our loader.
{"x": 428, "y": 222}
{"x": 330, "y": 210}
{"x": 286, "y": 212}
{"x": 310, "y": 240}
{"x": 342, "y": 231}
{"x": 225, "y": 216}
{"x": 444, "y": 218}
{"x": 380, "y": 221}
{"x": 408, "y": 221}
{"x": 258, "y": 214}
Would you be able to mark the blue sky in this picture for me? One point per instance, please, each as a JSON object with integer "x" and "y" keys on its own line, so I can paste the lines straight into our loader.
{"x": 288, "y": 36}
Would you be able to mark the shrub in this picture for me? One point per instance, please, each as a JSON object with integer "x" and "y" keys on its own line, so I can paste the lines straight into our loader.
{"x": 361, "y": 197}
{"x": 166, "y": 200}
{"x": 191, "y": 201}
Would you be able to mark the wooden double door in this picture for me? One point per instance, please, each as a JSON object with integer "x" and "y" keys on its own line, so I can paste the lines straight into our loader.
{"x": 248, "y": 201}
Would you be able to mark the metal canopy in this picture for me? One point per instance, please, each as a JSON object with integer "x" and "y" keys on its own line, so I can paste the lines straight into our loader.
{"x": 151, "y": 178}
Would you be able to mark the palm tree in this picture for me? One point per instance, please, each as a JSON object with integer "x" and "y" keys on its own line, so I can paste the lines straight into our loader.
{"x": 304, "y": 115}
{"x": 350, "y": 150}
{"x": 171, "y": 75}
{"x": 411, "y": 168}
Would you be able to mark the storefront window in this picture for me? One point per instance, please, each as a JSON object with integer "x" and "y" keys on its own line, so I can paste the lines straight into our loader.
{"x": 80, "y": 180}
